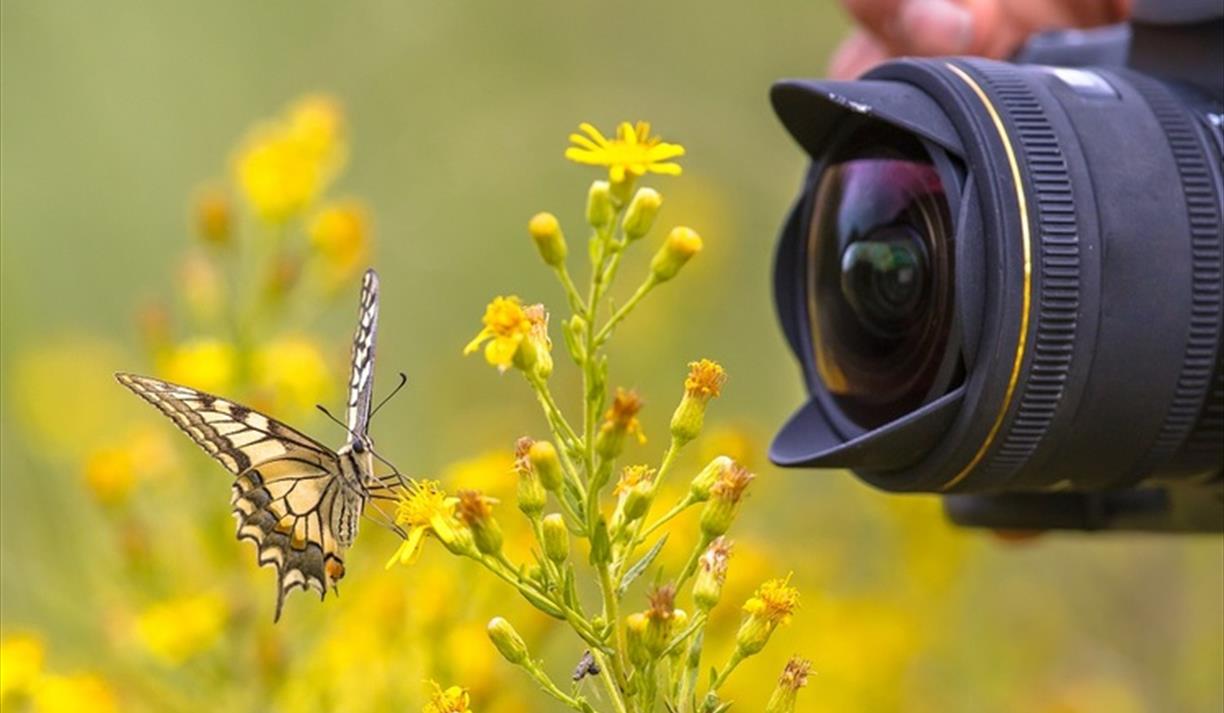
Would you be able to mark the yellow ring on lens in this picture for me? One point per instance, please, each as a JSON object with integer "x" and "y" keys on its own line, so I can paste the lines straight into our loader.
{"x": 1027, "y": 295}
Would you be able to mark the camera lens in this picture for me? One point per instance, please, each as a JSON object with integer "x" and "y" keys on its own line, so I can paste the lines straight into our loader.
{"x": 880, "y": 267}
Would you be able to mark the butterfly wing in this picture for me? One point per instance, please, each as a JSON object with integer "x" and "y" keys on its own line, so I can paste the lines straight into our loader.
{"x": 287, "y": 496}
{"x": 361, "y": 376}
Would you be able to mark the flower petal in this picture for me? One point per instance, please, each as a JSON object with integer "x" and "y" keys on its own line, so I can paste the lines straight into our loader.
{"x": 591, "y": 131}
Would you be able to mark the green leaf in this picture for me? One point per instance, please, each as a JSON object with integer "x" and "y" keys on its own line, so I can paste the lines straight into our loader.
{"x": 640, "y": 566}
{"x": 601, "y": 546}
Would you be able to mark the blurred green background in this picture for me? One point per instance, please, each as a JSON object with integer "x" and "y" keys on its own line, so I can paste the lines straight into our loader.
{"x": 112, "y": 117}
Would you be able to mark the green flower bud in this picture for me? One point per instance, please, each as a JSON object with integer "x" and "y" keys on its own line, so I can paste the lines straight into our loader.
{"x": 681, "y": 245}
{"x": 556, "y": 538}
{"x": 476, "y": 511}
{"x": 793, "y": 677}
{"x": 549, "y": 241}
{"x": 600, "y": 207}
{"x": 636, "y": 491}
{"x": 699, "y": 489}
{"x": 711, "y": 574}
{"x": 660, "y": 619}
{"x": 725, "y": 496}
{"x": 543, "y": 457}
{"x": 507, "y": 641}
{"x": 635, "y": 640}
{"x": 619, "y": 421}
{"x": 601, "y": 545}
{"x": 773, "y": 603}
{"x": 641, "y": 213}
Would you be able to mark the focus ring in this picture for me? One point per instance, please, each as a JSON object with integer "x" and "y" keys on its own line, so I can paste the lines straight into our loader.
{"x": 1202, "y": 355}
{"x": 1057, "y": 294}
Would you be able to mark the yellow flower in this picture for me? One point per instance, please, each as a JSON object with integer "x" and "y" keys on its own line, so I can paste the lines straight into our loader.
{"x": 631, "y": 154}
{"x": 202, "y": 286}
{"x": 285, "y": 164}
{"x": 450, "y": 700}
{"x": 705, "y": 379}
{"x": 775, "y": 600}
{"x": 177, "y": 629}
{"x": 21, "y": 663}
{"x": 110, "y": 473}
{"x": 291, "y": 372}
{"x": 203, "y": 363}
{"x": 72, "y": 694}
{"x": 340, "y": 232}
{"x": 506, "y": 325}
{"x": 426, "y": 509}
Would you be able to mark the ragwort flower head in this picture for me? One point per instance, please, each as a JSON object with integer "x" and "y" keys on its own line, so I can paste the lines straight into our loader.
{"x": 775, "y": 601}
{"x": 450, "y": 700}
{"x": 705, "y": 379}
{"x": 428, "y": 510}
{"x": 506, "y": 326}
{"x": 632, "y": 153}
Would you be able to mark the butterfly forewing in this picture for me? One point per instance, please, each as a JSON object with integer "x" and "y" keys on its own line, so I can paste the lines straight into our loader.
{"x": 361, "y": 376}
{"x": 287, "y": 495}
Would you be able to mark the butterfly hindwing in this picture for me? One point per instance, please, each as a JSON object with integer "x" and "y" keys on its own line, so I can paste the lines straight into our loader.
{"x": 361, "y": 376}
{"x": 287, "y": 495}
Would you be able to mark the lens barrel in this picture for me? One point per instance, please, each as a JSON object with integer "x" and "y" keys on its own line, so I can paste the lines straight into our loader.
{"x": 1005, "y": 278}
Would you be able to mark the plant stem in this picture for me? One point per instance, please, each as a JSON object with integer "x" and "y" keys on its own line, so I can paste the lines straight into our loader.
{"x": 553, "y": 412}
{"x": 691, "y": 566}
{"x": 681, "y": 505}
{"x": 612, "y": 612}
{"x": 571, "y": 292}
{"x": 620, "y": 314}
{"x": 614, "y": 692}
{"x": 736, "y": 658}
{"x": 533, "y": 669}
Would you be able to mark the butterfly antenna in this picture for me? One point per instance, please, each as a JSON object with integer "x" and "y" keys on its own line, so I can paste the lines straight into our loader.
{"x": 394, "y": 470}
{"x": 403, "y": 380}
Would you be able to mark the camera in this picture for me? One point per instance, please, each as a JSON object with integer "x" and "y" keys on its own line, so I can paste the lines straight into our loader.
{"x": 1004, "y": 281}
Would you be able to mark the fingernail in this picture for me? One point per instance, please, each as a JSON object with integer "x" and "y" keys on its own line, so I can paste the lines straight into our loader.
{"x": 937, "y": 26}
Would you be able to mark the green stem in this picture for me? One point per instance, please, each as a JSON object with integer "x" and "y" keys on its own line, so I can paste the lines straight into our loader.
{"x": 736, "y": 658}
{"x": 691, "y": 566}
{"x": 571, "y": 292}
{"x": 533, "y": 669}
{"x": 612, "y": 613}
{"x": 611, "y": 682}
{"x": 683, "y": 504}
{"x": 698, "y": 621}
{"x": 553, "y": 412}
{"x": 620, "y": 314}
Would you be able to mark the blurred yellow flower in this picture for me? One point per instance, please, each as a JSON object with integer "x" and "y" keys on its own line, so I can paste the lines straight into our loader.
{"x": 73, "y": 694}
{"x": 290, "y": 373}
{"x": 632, "y": 153}
{"x": 285, "y": 164}
{"x": 177, "y": 629}
{"x": 506, "y": 325}
{"x": 737, "y": 444}
{"x": 451, "y": 700}
{"x": 202, "y": 363}
{"x": 21, "y": 663}
{"x": 110, "y": 474}
{"x": 340, "y": 233}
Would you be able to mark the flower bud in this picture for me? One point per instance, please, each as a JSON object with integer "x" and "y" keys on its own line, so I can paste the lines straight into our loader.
{"x": 556, "y": 538}
{"x": 600, "y": 209}
{"x": 711, "y": 574}
{"x": 507, "y": 641}
{"x": 641, "y": 213}
{"x": 601, "y": 545}
{"x": 793, "y": 677}
{"x": 681, "y": 244}
{"x": 704, "y": 382}
{"x": 725, "y": 496}
{"x": 619, "y": 421}
{"x": 549, "y": 241}
{"x": 699, "y": 489}
{"x": 636, "y": 490}
{"x": 660, "y": 619}
{"x": 543, "y": 457}
{"x": 531, "y": 495}
{"x": 635, "y": 640}
{"x": 476, "y": 511}
{"x": 214, "y": 216}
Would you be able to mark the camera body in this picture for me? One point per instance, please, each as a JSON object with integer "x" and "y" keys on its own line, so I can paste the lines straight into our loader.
{"x": 1005, "y": 281}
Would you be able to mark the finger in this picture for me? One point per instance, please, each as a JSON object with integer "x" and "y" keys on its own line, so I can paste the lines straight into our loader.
{"x": 877, "y": 16}
{"x": 934, "y": 28}
{"x": 857, "y": 53}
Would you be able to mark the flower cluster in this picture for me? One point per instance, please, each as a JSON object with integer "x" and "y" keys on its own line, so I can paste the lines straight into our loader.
{"x": 646, "y": 660}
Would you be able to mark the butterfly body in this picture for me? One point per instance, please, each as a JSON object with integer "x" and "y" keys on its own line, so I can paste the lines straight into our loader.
{"x": 299, "y": 501}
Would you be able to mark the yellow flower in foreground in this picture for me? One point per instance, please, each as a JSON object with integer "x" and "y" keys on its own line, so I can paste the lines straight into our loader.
{"x": 705, "y": 379}
{"x": 283, "y": 165}
{"x": 450, "y": 700}
{"x": 72, "y": 694}
{"x": 292, "y": 372}
{"x": 631, "y": 154}
{"x": 340, "y": 232}
{"x": 21, "y": 663}
{"x": 427, "y": 509}
{"x": 177, "y": 629}
{"x": 506, "y": 325}
{"x": 202, "y": 363}
{"x": 773, "y": 603}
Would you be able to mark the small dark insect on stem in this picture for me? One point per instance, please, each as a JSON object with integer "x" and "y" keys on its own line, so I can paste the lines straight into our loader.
{"x": 586, "y": 666}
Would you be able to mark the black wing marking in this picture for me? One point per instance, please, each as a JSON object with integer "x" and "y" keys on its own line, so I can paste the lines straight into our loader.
{"x": 361, "y": 376}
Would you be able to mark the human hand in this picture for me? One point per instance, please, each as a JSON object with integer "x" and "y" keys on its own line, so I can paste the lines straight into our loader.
{"x": 989, "y": 28}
